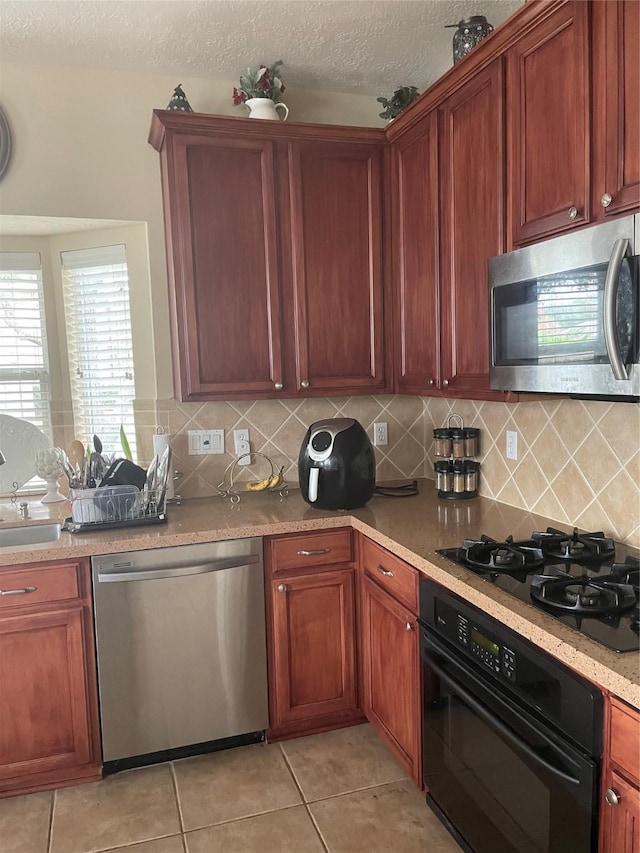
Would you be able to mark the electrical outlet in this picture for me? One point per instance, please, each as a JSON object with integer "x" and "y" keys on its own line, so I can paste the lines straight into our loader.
{"x": 512, "y": 444}
{"x": 203, "y": 442}
{"x": 380, "y": 433}
{"x": 241, "y": 445}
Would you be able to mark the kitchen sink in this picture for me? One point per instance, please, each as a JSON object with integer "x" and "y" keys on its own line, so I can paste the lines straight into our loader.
{"x": 32, "y": 534}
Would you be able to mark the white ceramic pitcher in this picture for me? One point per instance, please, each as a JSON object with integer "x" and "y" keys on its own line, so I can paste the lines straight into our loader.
{"x": 265, "y": 108}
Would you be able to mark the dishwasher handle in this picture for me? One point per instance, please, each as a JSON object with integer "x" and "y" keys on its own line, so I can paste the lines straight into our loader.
{"x": 179, "y": 571}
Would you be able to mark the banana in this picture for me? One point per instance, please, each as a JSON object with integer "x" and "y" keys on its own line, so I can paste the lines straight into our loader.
{"x": 259, "y": 485}
{"x": 276, "y": 480}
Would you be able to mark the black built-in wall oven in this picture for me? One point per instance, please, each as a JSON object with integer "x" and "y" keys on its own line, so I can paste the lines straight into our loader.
{"x": 511, "y": 740}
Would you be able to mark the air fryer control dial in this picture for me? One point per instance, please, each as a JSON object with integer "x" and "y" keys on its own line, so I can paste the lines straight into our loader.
{"x": 321, "y": 441}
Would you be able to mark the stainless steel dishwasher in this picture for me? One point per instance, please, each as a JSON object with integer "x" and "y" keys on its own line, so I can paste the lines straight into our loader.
{"x": 181, "y": 650}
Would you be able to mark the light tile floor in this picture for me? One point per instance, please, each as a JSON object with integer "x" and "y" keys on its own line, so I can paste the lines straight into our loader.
{"x": 338, "y": 792}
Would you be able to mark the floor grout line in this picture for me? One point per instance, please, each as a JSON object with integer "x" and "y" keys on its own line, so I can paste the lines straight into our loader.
{"x": 357, "y": 790}
{"x": 292, "y": 772}
{"x": 317, "y": 828}
{"x": 174, "y": 782}
{"x": 50, "y": 832}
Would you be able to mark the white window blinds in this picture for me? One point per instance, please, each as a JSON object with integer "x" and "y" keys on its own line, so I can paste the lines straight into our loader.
{"x": 96, "y": 300}
{"x": 24, "y": 362}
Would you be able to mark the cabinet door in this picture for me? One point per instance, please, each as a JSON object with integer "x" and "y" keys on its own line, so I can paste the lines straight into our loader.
{"x": 44, "y": 711}
{"x": 621, "y": 821}
{"x": 336, "y": 224}
{"x": 616, "y": 117}
{"x": 416, "y": 256}
{"x": 391, "y": 675}
{"x": 223, "y": 264}
{"x": 473, "y": 229}
{"x": 312, "y": 650}
{"x": 548, "y": 109}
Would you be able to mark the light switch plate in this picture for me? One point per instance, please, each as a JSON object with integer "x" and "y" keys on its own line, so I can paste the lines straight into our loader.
{"x": 203, "y": 442}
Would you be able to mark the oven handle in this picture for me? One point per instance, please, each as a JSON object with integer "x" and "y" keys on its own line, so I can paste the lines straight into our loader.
{"x": 510, "y": 735}
{"x": 610, "y": 294}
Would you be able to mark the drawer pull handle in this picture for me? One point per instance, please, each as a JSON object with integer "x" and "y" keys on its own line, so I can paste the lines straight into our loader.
{"x": 312, "y": 553}
{"x": 611, "y": 797}
{"x": 386, "y": 572}
{"x": 24, "y": 591}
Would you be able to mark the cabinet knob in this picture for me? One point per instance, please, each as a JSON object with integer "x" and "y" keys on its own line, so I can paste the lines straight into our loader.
{"x": 277, "y": 386}
{"x": 445, "y": 382}
{"x": 432, "y": 382}
{"x": 408, "y": 627}
{"x": 304, "y": 383}
{"x": 573, "y": 212}
{"x": 611, "y": 797}
{"x": 606, "y": 200}
{"x": 282, "y": 587}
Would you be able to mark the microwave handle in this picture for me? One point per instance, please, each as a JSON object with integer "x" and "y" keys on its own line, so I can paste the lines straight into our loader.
{"x": 610, "y": 295}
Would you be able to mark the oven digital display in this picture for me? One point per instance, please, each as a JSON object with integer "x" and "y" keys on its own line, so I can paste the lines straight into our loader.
{"x": 481, "y": 640}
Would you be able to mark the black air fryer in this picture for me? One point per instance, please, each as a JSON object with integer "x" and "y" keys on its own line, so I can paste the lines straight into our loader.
{"x": 336, "y": 466}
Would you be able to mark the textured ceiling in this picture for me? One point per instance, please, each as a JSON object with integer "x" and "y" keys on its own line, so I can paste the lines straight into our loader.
{"x": 361, "y": 46}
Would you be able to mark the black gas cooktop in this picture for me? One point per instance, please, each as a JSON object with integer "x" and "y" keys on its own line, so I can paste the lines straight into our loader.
{"x": 585, "y": 580}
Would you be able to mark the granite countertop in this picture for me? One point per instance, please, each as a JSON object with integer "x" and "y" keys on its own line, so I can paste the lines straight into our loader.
{"x": 412, "y": 528}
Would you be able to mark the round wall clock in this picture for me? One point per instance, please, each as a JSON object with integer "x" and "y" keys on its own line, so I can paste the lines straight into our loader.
{"x": 5, "y": 143}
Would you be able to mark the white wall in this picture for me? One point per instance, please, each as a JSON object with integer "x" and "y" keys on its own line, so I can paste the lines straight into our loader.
{"x": 81, "y": 150}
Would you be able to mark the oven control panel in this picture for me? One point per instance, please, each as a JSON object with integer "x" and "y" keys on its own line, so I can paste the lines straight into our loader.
{"x": 499, "y": 658}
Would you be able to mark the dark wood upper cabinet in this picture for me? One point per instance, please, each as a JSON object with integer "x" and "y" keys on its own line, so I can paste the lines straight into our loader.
{"x": 548, "y": 109}
{"x": 416, "y": 257}
{"x": 616, "y": 113}
{"x": 274, "y": 245}
{"x": 336, "y": 226}
{"x": 472, "y": 193}
{"x": 224, "y": 266}
{"x": 449, "y": 191}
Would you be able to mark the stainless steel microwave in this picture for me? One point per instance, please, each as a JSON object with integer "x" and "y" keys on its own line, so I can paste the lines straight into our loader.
{"x": 565, "y": 314}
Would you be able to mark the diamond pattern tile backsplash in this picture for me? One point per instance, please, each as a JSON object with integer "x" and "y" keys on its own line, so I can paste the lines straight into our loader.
{"x": 578, "y": 462}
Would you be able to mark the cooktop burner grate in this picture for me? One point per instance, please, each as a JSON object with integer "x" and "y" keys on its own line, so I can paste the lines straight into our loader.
{"x": 506, "y": 557}
{"x": 583, "y": 596}
{"x": 576, "y": 547}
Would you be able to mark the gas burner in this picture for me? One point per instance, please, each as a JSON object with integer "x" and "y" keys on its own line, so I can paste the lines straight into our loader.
{"x": 506, "y": 557}
{"x": 583, "y": 596}
{"x": 575, "y": 547}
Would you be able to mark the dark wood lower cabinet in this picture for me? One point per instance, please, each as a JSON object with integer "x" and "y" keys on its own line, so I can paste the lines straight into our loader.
{"x": 390, "y": 655}
{"x": 620, "y": 816}
{"x": 48, "y": 686}
{"x": 312, "y": 654}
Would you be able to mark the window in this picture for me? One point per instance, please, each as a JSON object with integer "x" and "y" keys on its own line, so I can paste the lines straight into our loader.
{"x": 24, "y": 362}
{"x": 96, "y": 301}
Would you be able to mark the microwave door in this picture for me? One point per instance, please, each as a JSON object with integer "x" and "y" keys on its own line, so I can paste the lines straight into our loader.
{"x": 612, "y": 281}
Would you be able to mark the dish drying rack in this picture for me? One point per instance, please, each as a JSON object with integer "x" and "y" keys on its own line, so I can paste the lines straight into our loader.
{"x": 228, "y": 491}
{"x": 105, "y": 509}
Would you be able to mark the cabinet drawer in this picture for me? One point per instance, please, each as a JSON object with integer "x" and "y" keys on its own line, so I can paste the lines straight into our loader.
{"x": 38, "y": 585}
{"x": 625, "y": 738}
{"x": 392, "y": 573}
{"x": 311, "y": 549}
